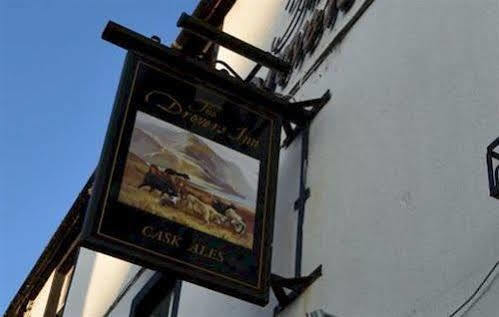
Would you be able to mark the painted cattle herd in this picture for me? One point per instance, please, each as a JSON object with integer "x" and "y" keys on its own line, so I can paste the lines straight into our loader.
{"x": 173, "y": 195}
{"x": 177, "y": 192}
{"x": 191, "y": 180}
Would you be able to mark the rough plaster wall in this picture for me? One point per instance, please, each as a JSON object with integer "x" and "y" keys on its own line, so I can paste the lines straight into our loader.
{"x": 399, "y": 214}
{"x": 97, "y": 281}
{"x": 253, "y": 21}
{"x": 486, "y": 305}
{"x": 79, "y": 284}
{"x": 65, "y": 289}
{"x": 41, "y": 299}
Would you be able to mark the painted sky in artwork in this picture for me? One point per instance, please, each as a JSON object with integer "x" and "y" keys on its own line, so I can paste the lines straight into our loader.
{"x": 247, "y": 165}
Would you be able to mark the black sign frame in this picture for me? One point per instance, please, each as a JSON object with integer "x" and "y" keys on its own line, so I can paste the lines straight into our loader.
{"x": 110, "y": 228}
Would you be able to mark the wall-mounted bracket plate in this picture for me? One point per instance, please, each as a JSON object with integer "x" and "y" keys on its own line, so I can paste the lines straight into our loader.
{"x": 309, "y": 109}
{"x": 297, "y": 286}
{"x": 493, "y": 168}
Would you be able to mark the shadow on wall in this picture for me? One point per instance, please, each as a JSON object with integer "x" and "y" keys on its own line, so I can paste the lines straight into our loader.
{"x": 241, "y": 25}
{"x": 98, "y": 280}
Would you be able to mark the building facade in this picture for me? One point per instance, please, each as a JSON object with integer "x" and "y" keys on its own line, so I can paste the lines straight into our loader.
{"x": 399, "y": 214}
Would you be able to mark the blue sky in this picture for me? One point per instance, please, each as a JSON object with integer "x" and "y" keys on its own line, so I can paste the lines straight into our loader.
{"x": 57, "y": 84}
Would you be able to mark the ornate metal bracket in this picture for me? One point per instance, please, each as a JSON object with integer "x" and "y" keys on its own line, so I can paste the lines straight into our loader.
{"x": 309, "y": 108}
{"x": 297, "y": 286}
{"x": 493, "y": 168}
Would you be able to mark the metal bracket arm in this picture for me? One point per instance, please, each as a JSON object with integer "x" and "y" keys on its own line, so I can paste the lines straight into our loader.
{"x": 309, "y": 109}
{"x": 204, "y": 74}
{"x": 297, "y": 286}
{"x": 493, "y": 172}
{"x": 296, "y": 115}
{"x": 234, "y": 44}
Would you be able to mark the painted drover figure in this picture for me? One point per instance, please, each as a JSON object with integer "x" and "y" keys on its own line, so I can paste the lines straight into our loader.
{"x": 235, "y": 220}
{"x": 230, "y": 214}
{"x": 205, "y": 211}
{"x": 155, "y": 180}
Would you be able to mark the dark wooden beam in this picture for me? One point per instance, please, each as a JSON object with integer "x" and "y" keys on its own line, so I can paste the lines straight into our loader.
{"x": 232, "y": 43}
{"x": 204, "y": 74}
{"x": 54, "y": 294}
{"x": 212, "y": 12}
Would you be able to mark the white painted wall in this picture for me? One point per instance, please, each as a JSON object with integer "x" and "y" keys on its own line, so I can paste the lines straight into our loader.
{"x": 252, "y": 21}
{"x": 125, "y": 303}
{"x": 400, "y": 214}
{"x": 97, "y": 281}
{"x": 40, "y": 302}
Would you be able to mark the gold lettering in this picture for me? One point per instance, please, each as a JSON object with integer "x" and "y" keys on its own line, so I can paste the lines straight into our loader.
{"x": 202, "y": 121}
{"x": 161, "y": 236}
{"x": 219, "y": 128}
{"x": 206, "y": 109}
{"x": 220, "y": 257}
{"x": 204, "y": 251}
{"x": 222, "y": 130}
{"x": 240, "y": 135}
{"x": 210, "y": 253}
{"x": 167, "y": 237}
{"x": 194, "y": 118}
{"x": 146, "y": 231}
{"x": 243, "y": 138}
{"x": 198, "y": 117}
{"x": 157, "y": 236}
{"x": 175, "y": 241}
{"x": 193, "y": 248}
{"x": 173, "y": 107}
{"x": 211, "y": 112}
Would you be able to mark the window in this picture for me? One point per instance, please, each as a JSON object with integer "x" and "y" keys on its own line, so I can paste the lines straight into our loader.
{"x": 157, "y": 298}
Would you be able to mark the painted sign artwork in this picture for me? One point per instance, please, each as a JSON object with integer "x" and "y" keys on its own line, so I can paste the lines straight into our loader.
{"x": 187, "y": 179}
{"x": 193, "y": 181}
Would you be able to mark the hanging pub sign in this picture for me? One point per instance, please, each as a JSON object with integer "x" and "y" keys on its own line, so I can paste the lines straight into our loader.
{"x": 187, "y": 177}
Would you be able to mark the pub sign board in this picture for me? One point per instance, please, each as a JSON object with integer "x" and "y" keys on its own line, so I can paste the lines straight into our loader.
{"x": 186, "y": 182}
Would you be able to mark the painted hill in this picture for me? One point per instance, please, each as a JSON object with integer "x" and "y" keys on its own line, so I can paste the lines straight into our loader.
{"x": 190, "y": 154}
{"x": 143, "y": 142}
{"x": 222, "y": 173}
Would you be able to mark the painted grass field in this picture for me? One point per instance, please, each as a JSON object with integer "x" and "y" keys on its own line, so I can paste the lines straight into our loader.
{"x": 145, "y": 200}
